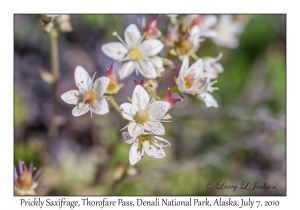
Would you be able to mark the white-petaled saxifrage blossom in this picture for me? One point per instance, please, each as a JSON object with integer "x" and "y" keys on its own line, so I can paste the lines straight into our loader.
{"x": 144, "y": 114}
{"x": 137, "y": 54}
{"x": 191, "y": 80}
{"x": 25, "y": 182}
{"x": 228, "y": 31}
{"x": 146, "y": 142}
{"x": 212, "y": 67}
{"x": 89, "y": 96}
{"x": 204, "y": 22}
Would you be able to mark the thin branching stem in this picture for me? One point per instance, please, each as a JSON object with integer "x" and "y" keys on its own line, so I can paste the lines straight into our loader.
{"x": 115, "y": 104}
{"x": 52, "y": 132}
{"x": 161, "y": 94}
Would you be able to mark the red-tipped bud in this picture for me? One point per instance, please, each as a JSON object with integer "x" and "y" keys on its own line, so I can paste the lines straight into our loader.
{"x": 184, "y": 45}
{"x": 138, "y": 83}
{"x": 151, "y": 29}
{"x": 198, "y": 19}
{"x": 25, "y": 180}
{"x": 171, "y": 100}
{"x": 113, "y": 86}
{"x": 172, "y": 36}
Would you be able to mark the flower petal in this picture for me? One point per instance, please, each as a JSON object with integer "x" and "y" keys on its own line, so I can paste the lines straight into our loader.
{"x": 128, "y": 111}
{"x": 158, "y": 109}
{"x": 80, "y": 109}
{"x": 70, "y": 97}
{"x": 100, "y": 85}
{"x": 132, "y": 35}
{"x": 126, "y": 69}
{"x": 208, "y": 99}
{"x": 162, "y": 142}
{"x": 146, "y": 68}
{"x": 114, "y": 50}
{"x": 209, "y": 21}
{"x": 196, "y": 69}
{"x": 135, "y": 129}
{"x": 135, "y": 154}
{"x": 82, "y": 79}
{"x": 127, "y": 138}
{"x": 151, "y": 47}
{"x": 157, "y": 61}
{"x": 184, "y": 67}
{"x": 181, "y": 85}
{"x": 154, "y": 151}
{"x": 155, "y": 127}
{"x": 100, "y": 106}
{"x": 140, "y": 98}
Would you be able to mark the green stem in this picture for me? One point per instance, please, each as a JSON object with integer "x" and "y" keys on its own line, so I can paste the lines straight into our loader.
{"x": 173, "y": 89}
{"x": 195, "y": 57}
{"x": 115, "y": 105}
{"x": 52, "y": 132}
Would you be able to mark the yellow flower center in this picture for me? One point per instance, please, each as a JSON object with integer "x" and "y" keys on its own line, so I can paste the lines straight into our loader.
{"x": 135, "y": 54}
{"x": 89, "y": 97}
{"x": 189, "y": 81}
{"x": 184, "y": 47}
{"x": 142, "y": 116}
{"x": 145, "y": 139}
{"x": 25, "y": 180}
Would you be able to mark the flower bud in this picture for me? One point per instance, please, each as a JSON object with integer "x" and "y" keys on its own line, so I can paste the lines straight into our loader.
{"x": 138, "y": 83}
{"x": 113, "y": 86}
{"x": 151, "y": 29}
{"x": 25, "y": 183}
{"x": 171, "y": 100}
{"x": 150, "y": 86}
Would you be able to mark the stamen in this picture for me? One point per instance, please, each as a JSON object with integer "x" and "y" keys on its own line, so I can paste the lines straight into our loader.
{"x": 219, "y": 57}
{"x": 91, "y": 85}
{"x": 210, "y": 88}
{"x": 121, "y": 40}
{"x": 150, "y": 102}
{"x": 125, "y": 127}
{"x": 141, "y": 39}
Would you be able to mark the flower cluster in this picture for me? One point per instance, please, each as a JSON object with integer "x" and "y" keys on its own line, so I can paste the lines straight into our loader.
{"x": 140, "y": 51}
{"x": 145, "y": 118}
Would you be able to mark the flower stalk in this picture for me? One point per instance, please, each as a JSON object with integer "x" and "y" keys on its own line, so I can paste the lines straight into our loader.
{"x": 115, "y": 105}
{"x": 52, "y": 131}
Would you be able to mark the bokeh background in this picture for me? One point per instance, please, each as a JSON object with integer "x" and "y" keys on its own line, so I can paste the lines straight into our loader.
{"x": 244, "y": 139}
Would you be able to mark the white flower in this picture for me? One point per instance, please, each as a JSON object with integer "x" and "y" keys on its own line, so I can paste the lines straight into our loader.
{"x": 137, "y": 55}
{"x": 204, "y": 23}
{"x": 211, "y": 66}
{"x": 143, "y": 114}
{"x": 227, "y": 31}
{"x": 145, "y": 142}
{"x": 191, "y": 79}
{"x": 189, "y": 43}
{"x": 89, "y": 96}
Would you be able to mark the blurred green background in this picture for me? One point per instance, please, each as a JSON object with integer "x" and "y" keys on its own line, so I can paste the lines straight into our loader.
{"x": 242, "y": 140}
